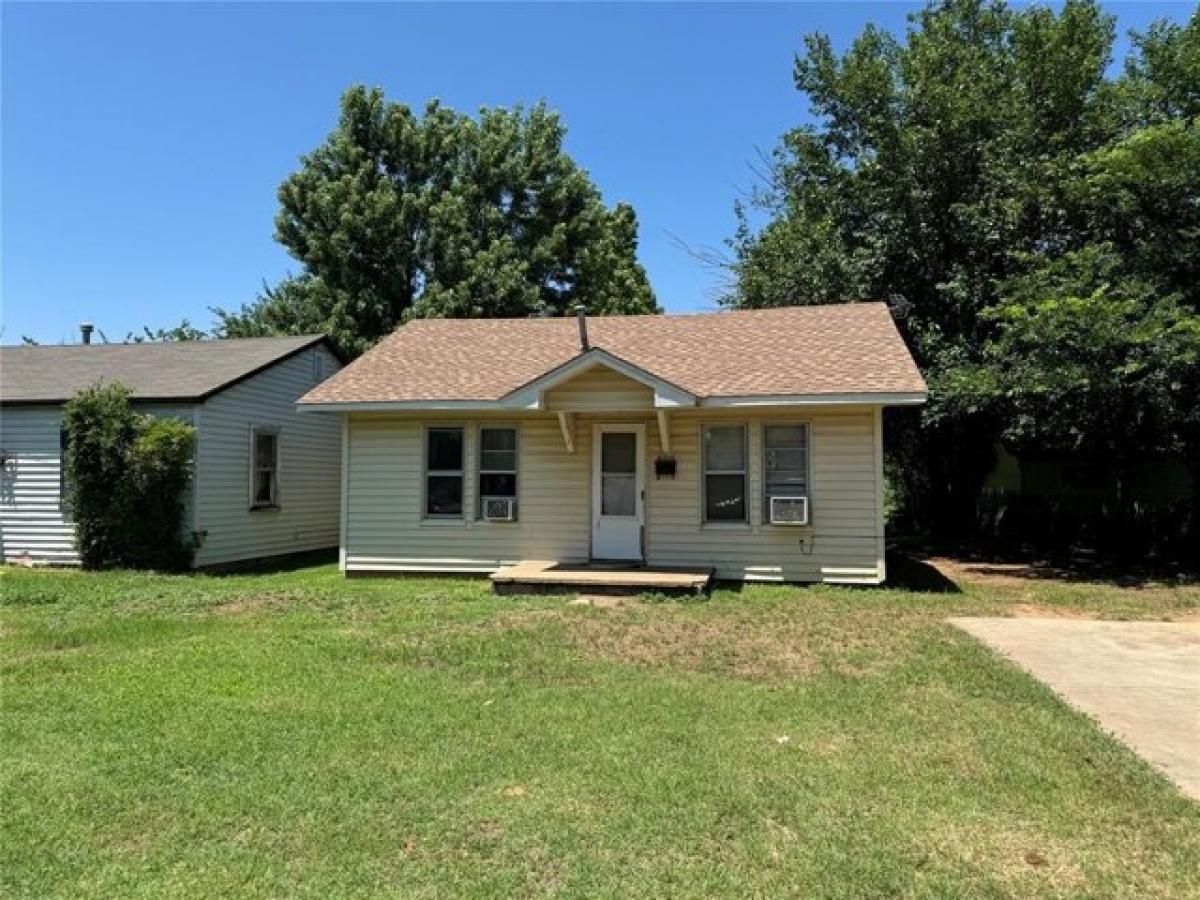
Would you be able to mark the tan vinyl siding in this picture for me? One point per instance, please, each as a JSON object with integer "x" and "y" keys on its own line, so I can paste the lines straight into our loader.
{"x": 841, "y": 544}
{"x": 385, "y": 531}
{"x": 600, "y": 388}
{"x": 309, "y": 466}
{"x": 33, "y": 522}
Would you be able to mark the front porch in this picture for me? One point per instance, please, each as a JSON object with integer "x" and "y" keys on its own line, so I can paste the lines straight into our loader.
{"x": 559, "y": 577}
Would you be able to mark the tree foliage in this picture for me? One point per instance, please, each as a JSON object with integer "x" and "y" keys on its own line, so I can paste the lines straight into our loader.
{"x": 1039, "y": 220}
{"x": 184, "y": 331}
{"x": 126, "y": 478}
{"x": 440, "y": 214}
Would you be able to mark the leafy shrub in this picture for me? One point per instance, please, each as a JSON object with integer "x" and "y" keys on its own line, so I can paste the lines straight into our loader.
{"x": 159, "y": 472}
{"x": 101, "y": 427}
{"x": 126, "y": 477}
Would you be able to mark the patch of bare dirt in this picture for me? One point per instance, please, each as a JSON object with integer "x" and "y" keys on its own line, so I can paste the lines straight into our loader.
{"x": 1039, "y": 611}
{"x": 1035, "y": 611}
{"x": 1008, "y": 574}
{"x": 602, "y": 601}
{"x": 271, "y": 600}
{"x": 1021, "y": 574}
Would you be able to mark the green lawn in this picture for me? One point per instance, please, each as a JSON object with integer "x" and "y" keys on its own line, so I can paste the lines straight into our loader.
{"x": 297, "y": 734}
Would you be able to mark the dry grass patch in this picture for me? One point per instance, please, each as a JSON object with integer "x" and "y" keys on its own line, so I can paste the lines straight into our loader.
{"x": 270, "y": 601}
{"x": 673, "y": 637}
{"x": 737, "y": 640}
{"x": 1025, "y": 859}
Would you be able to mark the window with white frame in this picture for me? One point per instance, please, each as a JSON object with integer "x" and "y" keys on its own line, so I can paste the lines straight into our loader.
{"x": 444, "y": 472}
{"x": 785, "y": 463}
{"x": 497, "y": 468}
{"x": 724, "y": 473}
{"x": 264, "y": 468}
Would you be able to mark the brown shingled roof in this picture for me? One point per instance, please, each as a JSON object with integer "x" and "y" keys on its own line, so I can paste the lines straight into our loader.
{"x": 800, "y": 350}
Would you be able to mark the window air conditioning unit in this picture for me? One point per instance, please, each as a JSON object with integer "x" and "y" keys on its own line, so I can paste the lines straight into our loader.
{"x": 789, "y": 510}
{"x": 499, "y": 509}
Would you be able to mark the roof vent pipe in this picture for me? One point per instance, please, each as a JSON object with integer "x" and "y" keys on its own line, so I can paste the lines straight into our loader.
{"x": 85, "y": 331}
{"x": 581, "y": 315}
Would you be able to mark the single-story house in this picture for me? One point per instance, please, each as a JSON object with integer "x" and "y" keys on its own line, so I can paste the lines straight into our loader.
{"x": 265, "y": 479}
{"x": 748, "y": 443}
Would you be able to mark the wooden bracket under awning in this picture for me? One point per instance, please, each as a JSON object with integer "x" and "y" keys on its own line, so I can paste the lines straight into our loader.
{"x": 664, "y": 431}
{"x": 566, "y": 422}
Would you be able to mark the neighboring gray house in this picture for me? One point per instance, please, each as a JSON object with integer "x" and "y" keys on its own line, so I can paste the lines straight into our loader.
{"x": 265, "y": 480}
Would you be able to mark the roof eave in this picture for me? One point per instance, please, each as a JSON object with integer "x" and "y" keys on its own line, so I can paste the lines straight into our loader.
{"x": 868, "y": 398}
{"x": 854, "y": 398}
{"x": 59, "y": 401}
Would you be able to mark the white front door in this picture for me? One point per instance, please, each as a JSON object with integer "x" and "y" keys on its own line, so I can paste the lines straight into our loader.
{"x": 618, "y": 491}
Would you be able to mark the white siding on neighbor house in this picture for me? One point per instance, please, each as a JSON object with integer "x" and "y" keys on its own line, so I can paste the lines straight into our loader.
{"x": 309, "y": 466}
{"x": 386, "y": 532}
{"x": 33, "y": 523}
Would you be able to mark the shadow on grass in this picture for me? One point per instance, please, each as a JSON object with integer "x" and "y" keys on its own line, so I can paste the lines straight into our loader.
{"x": 273, "y": 565}
{"x": 909, "y": 573}
{"x": 1078, "y": 568}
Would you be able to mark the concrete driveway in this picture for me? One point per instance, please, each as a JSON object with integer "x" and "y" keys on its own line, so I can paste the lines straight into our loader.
{"x": 1140, "y": 680}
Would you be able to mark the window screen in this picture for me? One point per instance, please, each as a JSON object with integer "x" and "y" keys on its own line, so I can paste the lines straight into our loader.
{"x": 444, "y": 472}
{"x": 497, "y": 464}
{"x": 725, "y": 473}
{"x": 264, "y": 468}
{"x": 785, "y": 463}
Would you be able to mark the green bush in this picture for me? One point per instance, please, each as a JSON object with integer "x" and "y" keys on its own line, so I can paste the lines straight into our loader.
{"x": 126, "y": 477}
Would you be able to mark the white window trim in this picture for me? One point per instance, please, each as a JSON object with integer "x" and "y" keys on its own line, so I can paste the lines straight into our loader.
{"x": 426, "y": 472}
{"x": 744, "y": 472}
{"x": 480, "y": 471}
{"x": 276, "y": 501}
{"x": 808, "y": 482}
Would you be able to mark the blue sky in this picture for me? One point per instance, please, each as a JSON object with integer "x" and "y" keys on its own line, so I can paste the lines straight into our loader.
{"x": 143, "y": 144}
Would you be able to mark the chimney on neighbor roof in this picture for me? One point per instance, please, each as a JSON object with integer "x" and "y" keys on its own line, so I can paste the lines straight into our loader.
{"x": 85, "y": 331}
{"x": 581, "y": 315}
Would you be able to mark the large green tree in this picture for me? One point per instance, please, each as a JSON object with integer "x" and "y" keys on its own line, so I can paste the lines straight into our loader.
{"x": 944, "y": 170}
{"x": 441, "y": 214}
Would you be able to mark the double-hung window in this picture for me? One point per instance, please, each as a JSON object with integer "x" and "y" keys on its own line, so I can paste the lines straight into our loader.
{"x": 724, "y": 473}
{"x": 497, "y": 468}
{"x": 264, "y": 468}
{"x": 785, "y": 463}
{"x": 444, "y": 472}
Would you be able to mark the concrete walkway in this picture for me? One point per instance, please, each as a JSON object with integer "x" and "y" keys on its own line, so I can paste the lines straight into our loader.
{"x": 1140, "y": 680}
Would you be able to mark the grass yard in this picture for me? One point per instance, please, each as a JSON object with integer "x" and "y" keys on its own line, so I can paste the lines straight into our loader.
{"x": 296, "y": 734}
